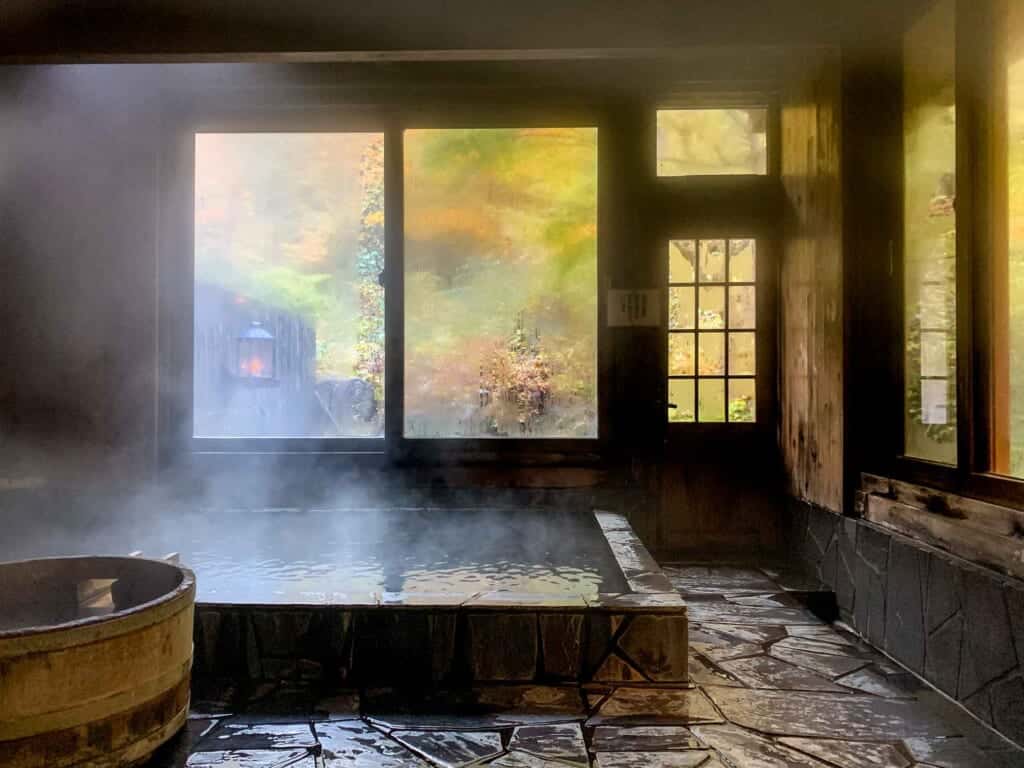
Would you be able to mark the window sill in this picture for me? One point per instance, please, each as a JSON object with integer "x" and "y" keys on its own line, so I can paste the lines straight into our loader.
{"x": 979, "y": 531}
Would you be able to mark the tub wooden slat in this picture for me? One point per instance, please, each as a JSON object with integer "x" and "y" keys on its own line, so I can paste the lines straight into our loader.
{"x": 96, "y": 690}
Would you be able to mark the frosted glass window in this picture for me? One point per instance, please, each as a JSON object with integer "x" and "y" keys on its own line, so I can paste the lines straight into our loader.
{"x": 929, "y": 246}
{"x": 712, "y": 142}
{"x": 289, "y": 299}
{"x": 501, "y": 283}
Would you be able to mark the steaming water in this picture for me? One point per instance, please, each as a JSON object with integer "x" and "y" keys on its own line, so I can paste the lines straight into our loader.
{"x": 354, "y": 556}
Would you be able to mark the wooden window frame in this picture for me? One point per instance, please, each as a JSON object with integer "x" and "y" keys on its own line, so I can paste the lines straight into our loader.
{"x": 725, "y": 332}
{"x": 980, "y": 261}
{"x": 529, "y": 451}
{"x": 314, "y": 111}
{"x": 709, "y": 207}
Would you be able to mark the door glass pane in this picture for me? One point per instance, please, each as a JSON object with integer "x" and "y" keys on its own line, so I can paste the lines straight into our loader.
{"x": 742, "y": 267}
{"x": 742, "y": 306}
{"x": 696, "y": 142}
{"x": 929, "y": 249}
{"x": 711, "y": 352}
{"x": 682, "y": 314}
{"x": 742, "y": 354}
{"x": 289, "y": 303}
{"x": 501, "y": 283}
{"x": 712, "y": 307}
{"x": 742, "y": 400}
{"x": 711, "y": 399}
{"x": 681, "y": 260}
{"x": 712, "y": 261}
{"x": 680, "y": 394}
{"x": 680, "y": 354}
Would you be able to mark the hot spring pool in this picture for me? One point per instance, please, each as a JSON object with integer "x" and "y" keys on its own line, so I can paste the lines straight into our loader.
{"x": 283, "y": 556}
{"x": 424, "y": 597}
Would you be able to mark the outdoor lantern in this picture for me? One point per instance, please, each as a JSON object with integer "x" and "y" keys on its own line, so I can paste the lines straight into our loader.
{"x": 256, "y": 353}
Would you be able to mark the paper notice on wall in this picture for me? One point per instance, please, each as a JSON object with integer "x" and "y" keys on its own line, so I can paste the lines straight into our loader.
{"x": 934, "y": 360}
{"x": 633, "y": 308}
{"x": 934, "y": 402}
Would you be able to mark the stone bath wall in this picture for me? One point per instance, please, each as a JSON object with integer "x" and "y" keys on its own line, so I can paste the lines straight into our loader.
{"x": 432, "y": 647}
{"x": 959, "y": 626}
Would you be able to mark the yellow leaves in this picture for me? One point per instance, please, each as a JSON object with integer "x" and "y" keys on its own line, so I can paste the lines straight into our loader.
{"x": 374, "y": 219}
{"x": 424, "y": 222}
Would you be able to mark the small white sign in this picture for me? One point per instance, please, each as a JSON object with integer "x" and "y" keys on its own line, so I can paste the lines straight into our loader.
{"x": 633, "y": 308}
{"x": 934, "y": 407}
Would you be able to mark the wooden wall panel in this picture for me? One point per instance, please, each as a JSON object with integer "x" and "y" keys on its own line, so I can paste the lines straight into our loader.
{"x": 811, "y": 321}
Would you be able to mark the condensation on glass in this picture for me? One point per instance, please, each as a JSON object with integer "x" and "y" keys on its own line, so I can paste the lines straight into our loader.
{"x": 1007, "y": 268}
{"x": 712, "y": 325}
{"x": 712, "y": 142}
{"x": 929, "y": 246}
{"x": 500, "y": 283}
{"x": 289, "y": 297}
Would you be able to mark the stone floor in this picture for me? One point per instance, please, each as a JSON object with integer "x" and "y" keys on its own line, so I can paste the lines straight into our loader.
{"x": 774, "y": 687}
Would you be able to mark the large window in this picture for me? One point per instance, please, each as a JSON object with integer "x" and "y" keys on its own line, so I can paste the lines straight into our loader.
{"x": 1007, "y": 263}
{"x": 712, "y": 322}
{"x": 500, "y": 283}
{"x": 929, "y": 243}
{"x": 289, "y": 297}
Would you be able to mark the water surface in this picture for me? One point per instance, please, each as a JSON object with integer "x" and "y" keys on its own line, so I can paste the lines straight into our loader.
{"x": 292, "y": 555}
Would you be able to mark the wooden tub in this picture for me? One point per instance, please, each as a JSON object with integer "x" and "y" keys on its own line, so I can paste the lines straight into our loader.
{"x": 95, "y": 659}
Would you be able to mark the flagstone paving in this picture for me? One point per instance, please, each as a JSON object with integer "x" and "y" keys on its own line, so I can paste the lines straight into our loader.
{"x": 772, "y": 687}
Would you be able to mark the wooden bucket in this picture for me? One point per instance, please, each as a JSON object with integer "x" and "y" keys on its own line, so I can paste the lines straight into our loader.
{"x": 95, "y": 659}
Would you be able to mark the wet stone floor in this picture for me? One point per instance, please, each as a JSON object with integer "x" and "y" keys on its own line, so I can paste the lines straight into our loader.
{"x": 773, "y": 687}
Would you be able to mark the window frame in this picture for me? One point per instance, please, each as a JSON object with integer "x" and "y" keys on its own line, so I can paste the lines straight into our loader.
{"x": 725, "y": 331}
{"x": 452, "y": 450}
{"x": 315, "y": 111}
{"x": 977, "y": 31}
{"x": 720, "y": 206}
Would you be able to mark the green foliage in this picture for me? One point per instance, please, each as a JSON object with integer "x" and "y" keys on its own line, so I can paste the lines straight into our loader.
{"x": 741, "y": 409}
{"x": 370, "y": 268}
{"x": 286, "y": 287}
{"x": 515, "y": 377}
{"x": 501, "y": 226}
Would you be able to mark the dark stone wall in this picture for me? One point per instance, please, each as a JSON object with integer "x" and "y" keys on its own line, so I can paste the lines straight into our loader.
{"x": 959, "y": 626}
{"x": 449, "y": 646}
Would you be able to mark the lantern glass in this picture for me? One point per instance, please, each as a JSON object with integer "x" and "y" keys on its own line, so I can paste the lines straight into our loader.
{"x": 256, "y": 358}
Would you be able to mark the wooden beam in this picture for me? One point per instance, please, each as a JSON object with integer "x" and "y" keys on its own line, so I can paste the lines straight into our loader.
{"x": 1003, "y": 553}
{"x": 80, "y": 31}
{"x": 991, "y": 519}
{"x": 998, "y": 352}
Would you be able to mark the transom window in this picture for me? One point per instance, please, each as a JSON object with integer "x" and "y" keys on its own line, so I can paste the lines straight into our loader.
{"x": 712, "y": 324}
{"x": 712, "y": 142}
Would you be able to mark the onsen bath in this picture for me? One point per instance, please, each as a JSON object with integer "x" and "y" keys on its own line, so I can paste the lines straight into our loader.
{"x": 436, "y": 597}
{"x": 422, "y": 597}
{"x": 95, "y": 659}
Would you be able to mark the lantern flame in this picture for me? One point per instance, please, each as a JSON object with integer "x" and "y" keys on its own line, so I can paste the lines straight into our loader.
{"x": 254, "y": 366}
